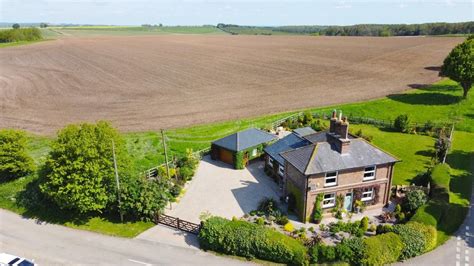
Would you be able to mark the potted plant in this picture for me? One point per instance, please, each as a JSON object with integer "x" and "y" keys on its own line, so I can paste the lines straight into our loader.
{"x": 318, "y": 209}
{"x": 358, "y": 206}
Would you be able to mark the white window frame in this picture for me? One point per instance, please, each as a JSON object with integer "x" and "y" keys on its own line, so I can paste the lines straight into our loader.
{"x": 270, "y": 161}
{"x": 254, "y": 152}
{"x": 373, "y": 172}
{"x": 329, "y": 202}
{"x": 368, "y": 194}
{"x": 326, "y": 177}
{"x": 281, "y": 170}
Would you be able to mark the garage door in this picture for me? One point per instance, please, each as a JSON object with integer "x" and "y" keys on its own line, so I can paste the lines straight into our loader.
{"x": 226, "y": 156}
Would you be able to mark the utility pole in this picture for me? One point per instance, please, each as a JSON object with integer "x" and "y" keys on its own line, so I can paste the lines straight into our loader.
{"x": 117, "y": 180}
{"x": 166, "y": 154}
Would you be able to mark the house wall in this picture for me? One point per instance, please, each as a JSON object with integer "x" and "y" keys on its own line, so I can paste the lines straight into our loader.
{"x": 296, "y": 185}
{"x": 349, "y": 180}
{"x": 272, "y": 171}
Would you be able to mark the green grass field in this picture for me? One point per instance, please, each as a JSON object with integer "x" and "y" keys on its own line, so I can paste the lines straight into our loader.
{"x": 128, "y": 30}
{"x": 440, "y": 102}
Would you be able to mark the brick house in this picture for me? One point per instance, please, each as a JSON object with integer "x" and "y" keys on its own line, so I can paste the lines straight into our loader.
{"x": 274, "y": 162}
{"x": 336, "y": 164}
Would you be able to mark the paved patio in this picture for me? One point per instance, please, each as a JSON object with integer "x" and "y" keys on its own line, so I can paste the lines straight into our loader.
{"x": 224, "y": 191}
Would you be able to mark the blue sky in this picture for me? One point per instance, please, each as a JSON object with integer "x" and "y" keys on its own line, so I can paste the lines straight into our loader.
{"x": 243, "y": 12}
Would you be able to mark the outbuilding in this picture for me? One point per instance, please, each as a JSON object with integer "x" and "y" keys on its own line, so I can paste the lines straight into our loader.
{"x": 241, "y": 147}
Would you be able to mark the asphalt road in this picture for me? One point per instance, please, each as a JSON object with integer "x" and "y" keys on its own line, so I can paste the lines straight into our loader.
{"x": 50, "y": 244}
{"x": 457, "y": 251}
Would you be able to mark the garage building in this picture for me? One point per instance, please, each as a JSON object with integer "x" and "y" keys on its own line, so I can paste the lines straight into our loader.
{"x": 241, "y": 147}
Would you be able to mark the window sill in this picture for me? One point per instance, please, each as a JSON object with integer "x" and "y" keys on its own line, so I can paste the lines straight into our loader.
{"x": 331, "y": 185}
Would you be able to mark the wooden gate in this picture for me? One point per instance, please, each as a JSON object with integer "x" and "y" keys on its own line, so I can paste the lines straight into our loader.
{"x": 178, "y": 223}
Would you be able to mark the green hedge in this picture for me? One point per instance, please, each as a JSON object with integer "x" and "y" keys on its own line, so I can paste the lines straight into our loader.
{"x": 382, "y": 249}
{"x": 413, "y": 241}
{"x": 16, "y": 35}
{"x": 428, "y": 232}
{"x": 250, "y": 240}
{"x": 440, "y": 176}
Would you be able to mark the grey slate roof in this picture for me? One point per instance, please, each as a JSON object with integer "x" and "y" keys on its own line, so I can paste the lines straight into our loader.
{"x": 290, "y": 142}
{"x": 321, "y": 136}
{"x": 304, "y": 131}
{"x": 244, "y": 139}
{"x": 323, "y": 157}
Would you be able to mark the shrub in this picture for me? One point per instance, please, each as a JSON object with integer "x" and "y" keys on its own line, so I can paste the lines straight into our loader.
{"x": 413, "y": 240}
{"x": 314, "y": 254}
{"x": 142, "y": 198}
{"x": 414, "y": 199}
{"x": 176, "y": 190}
{"x": 282, "y": 220}
{"x": 364, "y": 223}
{"x": 260, "y": 221}
{"x": 251, "y": 241}
{"x": 440, "y": 176}
{"x": 402, "y": 123}
{"x": 327, "y": 253}
{"x": 318, "y": 209}
{"x": 384, "y": 228}
{"x": 289, "y": 227}
{"x": 429, "y": 234}
{"x": 357, "y": 247}
{"x": 186, "y": 173}
{"x": 14, "y": 160}
{"x": 344, "y": 252}
{"x": 372, "y": 228}
{"x": 268, "y": 205}
{"x": 382, "y": 249}
{"x": 16, "y": 35}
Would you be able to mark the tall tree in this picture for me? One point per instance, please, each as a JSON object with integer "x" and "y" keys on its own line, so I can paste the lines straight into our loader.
{"x": 16, "y": 26}
{"x": 14, "y": 159}
{"x": 459, "y": 65}
{"x": 79, "y": 171}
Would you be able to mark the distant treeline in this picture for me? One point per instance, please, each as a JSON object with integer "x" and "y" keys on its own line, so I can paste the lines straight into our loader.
{"x": 22, "y": 34}
{"x": 357, "y": 30}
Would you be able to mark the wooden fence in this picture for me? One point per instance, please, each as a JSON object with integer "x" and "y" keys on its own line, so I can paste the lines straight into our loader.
{"x": 177, "y": 223}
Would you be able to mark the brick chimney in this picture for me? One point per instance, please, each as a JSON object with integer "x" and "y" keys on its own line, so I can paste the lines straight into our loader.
{"x": 339, "y": 132}
{"x": 332, "y": 122}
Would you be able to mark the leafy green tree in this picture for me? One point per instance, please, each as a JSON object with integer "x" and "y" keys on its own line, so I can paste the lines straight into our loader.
{"x": 141, "y": 199}
{"x": 402, "y": 123}
{"x": 14, "y": 159}
{"x": 79, "y": 171}
{"x": 414, "y": 199}
{"x": 16, "y": 26}
{"x": 459, "y": 65}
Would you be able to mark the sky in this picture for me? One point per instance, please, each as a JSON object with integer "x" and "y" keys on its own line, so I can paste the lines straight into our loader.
{"x": 242, "y": 12}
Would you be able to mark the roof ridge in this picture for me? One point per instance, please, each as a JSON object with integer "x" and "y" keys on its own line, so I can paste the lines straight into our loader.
{"x": 237, "y": 140}
{"x": 313, "y": 154}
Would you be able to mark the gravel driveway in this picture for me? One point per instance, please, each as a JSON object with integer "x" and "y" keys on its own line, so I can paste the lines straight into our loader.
{"x": 224, "y": 191}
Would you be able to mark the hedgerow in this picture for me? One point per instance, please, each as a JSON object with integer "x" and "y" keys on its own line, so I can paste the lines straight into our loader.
{"x": 413, "y": 240}
{"x": 382, "y": 249}
{"x": 250, "y": 240}
{"x": 429, "y": 234}
{"x": 16, "y": 35}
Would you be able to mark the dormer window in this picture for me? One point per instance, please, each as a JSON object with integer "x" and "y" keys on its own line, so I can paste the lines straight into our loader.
{"x": 369, "y": 173}
{"x": 330, "y": 179}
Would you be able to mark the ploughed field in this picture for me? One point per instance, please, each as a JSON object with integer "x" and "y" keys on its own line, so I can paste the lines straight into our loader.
{"x": 152, "y": 82}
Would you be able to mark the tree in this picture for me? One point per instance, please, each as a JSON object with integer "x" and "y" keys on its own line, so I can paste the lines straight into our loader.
{"x": 459, "y": 65}
{"x": 14, "y": 160}
{"x": 16, "y": 26}
{"x": 79, "y": 172}
{"x": 141, "y": 199}
{"x": 43, "y": 25}
{"x": 402, "y": 123}
{"x": 414, "y": 199}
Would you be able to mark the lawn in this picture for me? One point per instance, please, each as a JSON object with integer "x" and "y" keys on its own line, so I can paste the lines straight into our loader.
{"x": 130, "y": 30}
{"x": 440, "y": 103}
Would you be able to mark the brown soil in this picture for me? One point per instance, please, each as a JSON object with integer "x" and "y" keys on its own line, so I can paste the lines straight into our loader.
{"x": 152, "y": 82}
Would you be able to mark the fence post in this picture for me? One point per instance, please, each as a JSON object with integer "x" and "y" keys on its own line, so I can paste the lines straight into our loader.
{"x": 179, "y": 227}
